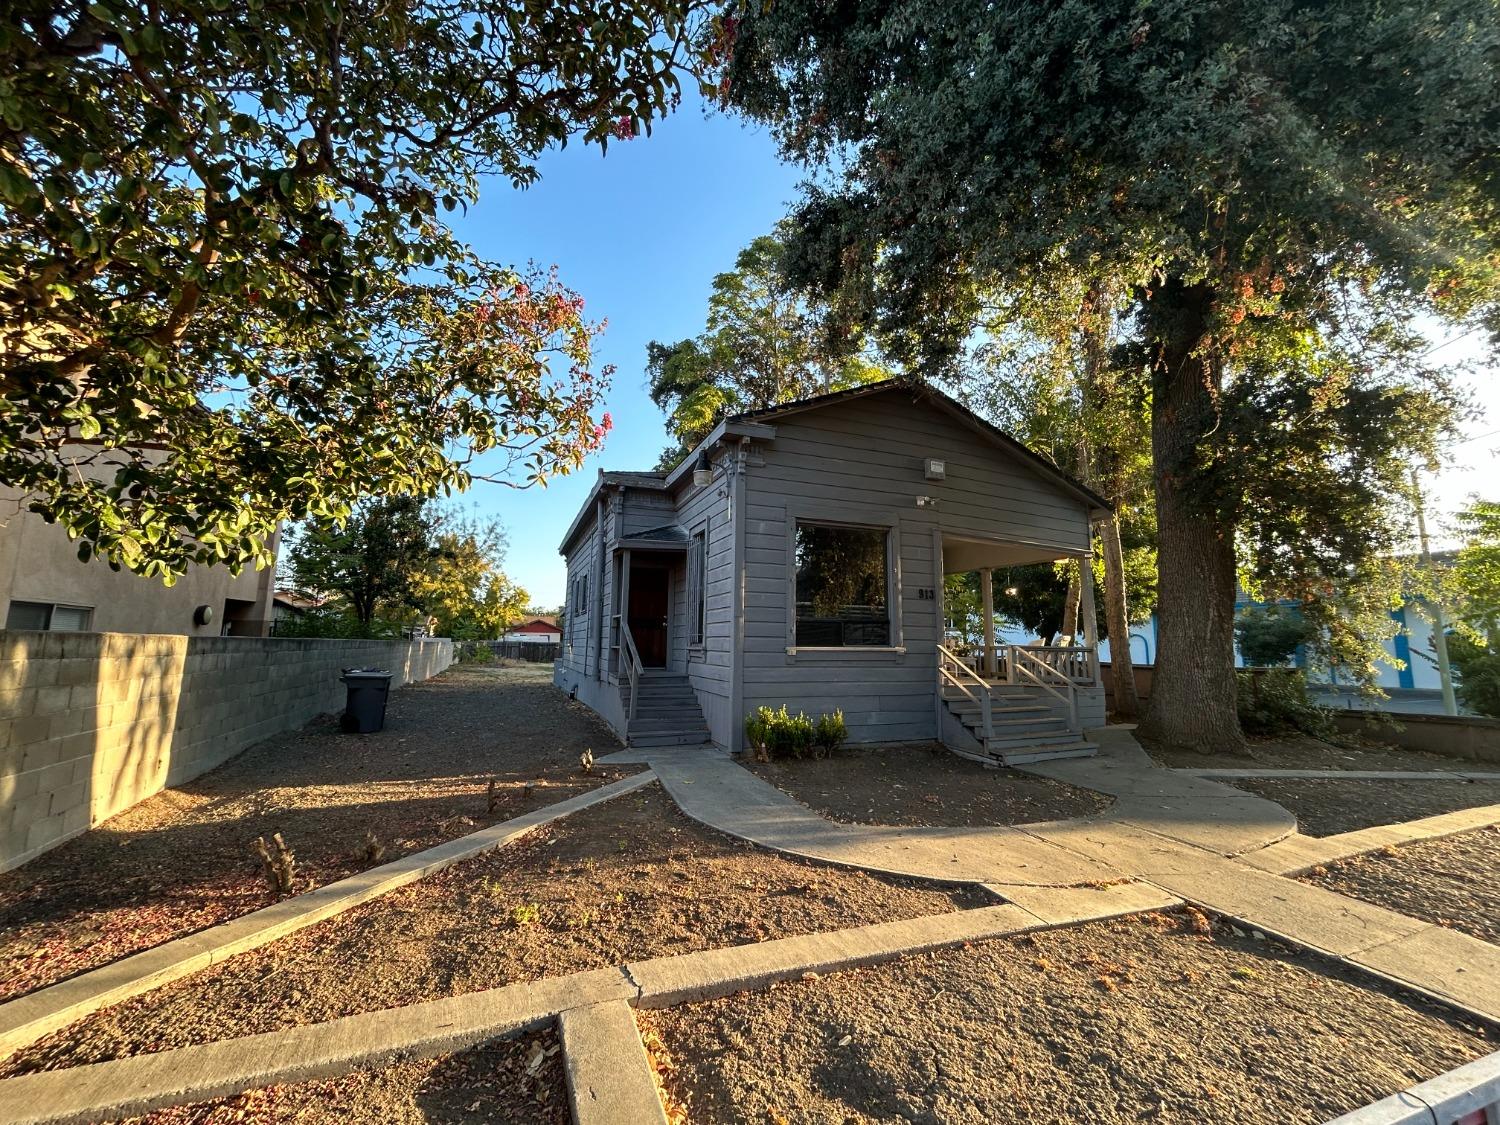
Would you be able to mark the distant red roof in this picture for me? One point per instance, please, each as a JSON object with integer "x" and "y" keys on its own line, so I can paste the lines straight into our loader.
{"x": 542, "y": 623}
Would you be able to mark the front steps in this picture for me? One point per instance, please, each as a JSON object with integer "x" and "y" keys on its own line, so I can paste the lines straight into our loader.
{"x": 667, "y": 713}
{"x": 1027, "y": 726}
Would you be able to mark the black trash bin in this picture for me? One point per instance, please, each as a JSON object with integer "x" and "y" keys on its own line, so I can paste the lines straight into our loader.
{"x": 364, "y": 711}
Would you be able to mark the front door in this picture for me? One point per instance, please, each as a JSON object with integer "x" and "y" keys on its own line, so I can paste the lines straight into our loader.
{"x": 648, "y": 614}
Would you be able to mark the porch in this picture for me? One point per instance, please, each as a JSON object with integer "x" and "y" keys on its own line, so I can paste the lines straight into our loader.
{"x": 1016, "y": 703}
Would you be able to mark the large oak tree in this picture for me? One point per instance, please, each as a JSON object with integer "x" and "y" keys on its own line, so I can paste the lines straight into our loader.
{"x": 1241, "y": 166}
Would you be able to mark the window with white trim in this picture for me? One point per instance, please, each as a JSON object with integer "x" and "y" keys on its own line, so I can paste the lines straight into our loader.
{"x": 843, "y": 586}
{"x": 698, "y": 587}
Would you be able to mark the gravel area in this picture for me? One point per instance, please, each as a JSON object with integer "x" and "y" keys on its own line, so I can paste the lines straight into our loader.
{"x": 924, "y": 783}
{"x": 181, "y": 861}
{"x": 1141, "y": 1019}
{"x": 1301, "y": 752}
{"x": 1453, "y": 882}
{"x": 1326, "y": 807}
{"x": 628, "y": 879}
{"x": 515, "y": 1082}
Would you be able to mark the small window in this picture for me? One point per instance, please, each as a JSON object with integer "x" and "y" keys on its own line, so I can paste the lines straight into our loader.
{"x": 843, "y": 580}
{"x": 581, "y": 598}
{"x": 697, "y": 585}
{"x": 45, "y": 615}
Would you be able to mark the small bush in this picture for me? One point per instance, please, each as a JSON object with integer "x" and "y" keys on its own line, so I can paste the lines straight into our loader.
{"x": 475, "y": 652}
{"x": 1268, "y": 638}
{"x": 1276, "y": 702}
{"x": 780, "y": 734}
{"x": 830, "y": 733}
{"x": 1478, "y": 671}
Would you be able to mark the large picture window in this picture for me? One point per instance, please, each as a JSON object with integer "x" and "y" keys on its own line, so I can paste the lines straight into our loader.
{"x": 843, "y": 579}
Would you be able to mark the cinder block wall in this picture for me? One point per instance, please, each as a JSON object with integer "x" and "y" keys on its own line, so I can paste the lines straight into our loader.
{"x": 92, "y": 723}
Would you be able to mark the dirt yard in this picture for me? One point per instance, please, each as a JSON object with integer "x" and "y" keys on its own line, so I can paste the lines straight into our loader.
{"x": 629, "y": 879}
{"x": 1135, "y": 1020}
{"x": 512, "y": 1082}
{"x": 1454, "y": 881}
{"x": 181, "y": 861}
{"x": 1301, "y": 752}
{"x": 1326, "y": 807}
{"x": 924, "y": 784}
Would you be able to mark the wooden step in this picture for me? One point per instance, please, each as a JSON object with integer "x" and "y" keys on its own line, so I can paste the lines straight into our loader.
{"x": 1026, "y": 756}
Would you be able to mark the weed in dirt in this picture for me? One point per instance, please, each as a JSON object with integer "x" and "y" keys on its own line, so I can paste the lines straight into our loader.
{"x": 526, "y": 914}
{"x": 280, "y": 869}
{"x": 586, "y": 761}
{"x": 374, "y": 850}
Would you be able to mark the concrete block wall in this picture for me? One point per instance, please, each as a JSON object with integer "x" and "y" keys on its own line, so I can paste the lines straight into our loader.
{"x": 92, "y": 723}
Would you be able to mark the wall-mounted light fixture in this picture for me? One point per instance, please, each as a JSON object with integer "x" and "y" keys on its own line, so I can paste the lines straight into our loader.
{"x": 203, "y": 615}
{"x": 927, "y": 501}
{"x": 703, "y": 471}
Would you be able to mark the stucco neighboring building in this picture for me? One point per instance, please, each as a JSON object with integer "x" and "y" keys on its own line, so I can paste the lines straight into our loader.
{"x": 44, "y": 586}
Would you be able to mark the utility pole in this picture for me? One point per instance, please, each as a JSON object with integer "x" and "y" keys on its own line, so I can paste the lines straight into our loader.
{"x": 1439, "y": 623}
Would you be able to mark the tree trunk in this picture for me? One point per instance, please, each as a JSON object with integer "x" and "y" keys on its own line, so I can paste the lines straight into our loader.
{"x": 1127, "y": 704}
{"x": 1070, "y": 605}
{"x": 1116, "y": 620}
{"x": 1193, "y": 691}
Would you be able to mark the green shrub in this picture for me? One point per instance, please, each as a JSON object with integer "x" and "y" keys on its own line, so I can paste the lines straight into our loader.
{"x": 475, "y": 652}
{"x": 780, "y": 734}
{"x": 830, "y": 734}
{"x": 1477, "y": 668}
{"x": 1269, "y": 637}
{"x": 1275, "y": 701}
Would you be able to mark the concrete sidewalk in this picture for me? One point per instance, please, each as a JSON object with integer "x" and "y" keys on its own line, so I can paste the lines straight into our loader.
{"x": 1189, "y": 836}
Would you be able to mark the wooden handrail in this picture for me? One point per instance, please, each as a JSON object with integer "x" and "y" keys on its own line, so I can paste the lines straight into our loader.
{"x": 1021, "y": 656}
{"x": 633, "y": 665}
{"x": 947, "y": 656}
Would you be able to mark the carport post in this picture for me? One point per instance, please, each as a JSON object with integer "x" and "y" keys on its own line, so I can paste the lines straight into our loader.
{"x": 987, "y": 592}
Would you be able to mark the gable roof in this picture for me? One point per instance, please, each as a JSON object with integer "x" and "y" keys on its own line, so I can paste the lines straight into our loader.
{"x": 922, "y": 392}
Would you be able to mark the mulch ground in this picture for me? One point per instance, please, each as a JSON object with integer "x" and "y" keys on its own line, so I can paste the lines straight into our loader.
{"x": 181, "y": 861}
{"x": 516, "y": 1082}
{"x": 628, "y": 879}
{"x": 1302, "y": 752}
{"x": 1453, "y": 882}
{"x": 1143, "y": 1019}
{"x": 924, "y": 784}
{"x": 1326, "y": 807}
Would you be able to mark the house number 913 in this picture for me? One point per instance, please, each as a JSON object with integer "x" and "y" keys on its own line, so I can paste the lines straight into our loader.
{"x": 926, "y": 594}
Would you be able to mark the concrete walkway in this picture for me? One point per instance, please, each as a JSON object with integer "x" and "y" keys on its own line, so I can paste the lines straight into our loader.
{"x": 1343, "y": 775}
{"x": 1186, "y": 835}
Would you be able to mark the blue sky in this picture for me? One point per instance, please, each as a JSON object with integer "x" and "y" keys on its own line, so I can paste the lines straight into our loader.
{"x": 640, "y": 234}
{"x": 642, "y": 231}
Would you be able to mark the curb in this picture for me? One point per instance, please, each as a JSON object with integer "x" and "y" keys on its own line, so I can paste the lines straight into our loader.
{"x": 1298, "y": 854}
{"x": 26, "y": 1019}
{"x": 1467, "y": 1093}
{"x": 608, "y": 1074}
{"x": 142, "y": 1083}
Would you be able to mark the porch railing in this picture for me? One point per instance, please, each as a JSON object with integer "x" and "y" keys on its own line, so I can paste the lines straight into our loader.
{"x": 631, "y": 658}
{"x": 955, "y": 672}
{"x": 1024, "y": 666}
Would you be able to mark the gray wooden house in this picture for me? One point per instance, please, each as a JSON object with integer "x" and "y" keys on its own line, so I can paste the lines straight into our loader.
{"x": 797, "y": 557}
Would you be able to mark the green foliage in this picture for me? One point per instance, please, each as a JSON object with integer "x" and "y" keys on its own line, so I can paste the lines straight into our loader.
{"x": 474, "y": 652}
{"x": 1269, "y": 637}
{"x": 337, "y": 622}
{"x": 780, "y": 734}
{"x": 764, "y": 344}
{"x": 372, "y": 560}
{"x": 1275, "y": 701}
{"x": 463, "y": 586}
{"x": 829, "y": 733}
{"x": 227, "y": 293}
{"x": 1477, "y": 668}
{"x": 1473, "y": 584}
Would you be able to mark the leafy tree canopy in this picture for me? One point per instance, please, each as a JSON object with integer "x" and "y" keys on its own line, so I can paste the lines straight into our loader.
{"x": 1268, "y": 637}
{"x": 227, "y": 296}
{"x": 1473, "y": 585}
{"x": 464, "y": 587}
{"x": 764, "y": 344}
{"x": 372, "y": 561}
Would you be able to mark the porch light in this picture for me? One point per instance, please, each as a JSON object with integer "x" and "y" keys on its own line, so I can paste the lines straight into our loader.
{"x": 703, "y": 471}
{"x": 1011, "y": 591}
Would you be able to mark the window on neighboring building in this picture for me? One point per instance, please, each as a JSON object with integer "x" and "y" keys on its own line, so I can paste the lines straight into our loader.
{"x": 698, "y": 586}
{"x": 48, "y": 615}
{"x": 843, "y": 586}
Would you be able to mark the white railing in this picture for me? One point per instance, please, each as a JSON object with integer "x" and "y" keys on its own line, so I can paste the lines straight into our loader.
{"x": 1079, "y": 663}
{"x": 1024, "y": 666}
{"x": 954, "y": 671}
{"x": 631, "y": 658}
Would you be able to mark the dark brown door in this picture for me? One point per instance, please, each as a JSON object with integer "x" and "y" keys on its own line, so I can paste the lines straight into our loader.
{"x": 648, "y": 614}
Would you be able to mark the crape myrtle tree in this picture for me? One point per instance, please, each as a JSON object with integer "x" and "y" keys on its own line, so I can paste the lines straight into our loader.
{"x": 764, "y": 343}
{"x": 228, "y": 295}
{"x": 1239, "y": 167}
